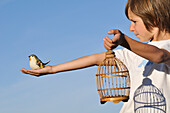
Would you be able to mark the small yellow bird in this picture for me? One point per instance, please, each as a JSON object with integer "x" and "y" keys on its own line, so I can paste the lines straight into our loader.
{"x": 36, "y": 63}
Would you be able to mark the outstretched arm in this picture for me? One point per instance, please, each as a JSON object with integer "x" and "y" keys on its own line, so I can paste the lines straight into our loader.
{"x": 147, "y": 51}
{"x": 79, "y": 63}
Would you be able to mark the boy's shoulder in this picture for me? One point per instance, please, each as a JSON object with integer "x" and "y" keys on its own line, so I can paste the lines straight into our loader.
{"x": 165, "y": 44}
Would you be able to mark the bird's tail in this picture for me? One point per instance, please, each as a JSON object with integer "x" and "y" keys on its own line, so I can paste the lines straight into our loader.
{"x": 46, "y": 62}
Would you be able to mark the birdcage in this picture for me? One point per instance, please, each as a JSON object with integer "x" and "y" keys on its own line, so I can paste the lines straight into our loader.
{"x": 149, "y": 99}
{"x": 113, "y": 80}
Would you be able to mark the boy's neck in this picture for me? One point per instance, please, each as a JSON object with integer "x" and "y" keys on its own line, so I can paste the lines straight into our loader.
{"x": 161, "y": 36}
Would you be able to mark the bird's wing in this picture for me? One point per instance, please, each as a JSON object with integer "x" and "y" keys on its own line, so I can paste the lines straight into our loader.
{"x": 41, "y": 65}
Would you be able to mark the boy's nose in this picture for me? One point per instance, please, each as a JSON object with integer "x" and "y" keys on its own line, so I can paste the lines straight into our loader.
{"x": 131, "y": 27}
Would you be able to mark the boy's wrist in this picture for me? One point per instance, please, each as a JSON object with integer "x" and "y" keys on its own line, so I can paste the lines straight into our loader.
{"x": 52, "y": 70}
{"x": 49, "y": 70}
{"x": 122, "y": 39}
{"x": 124, "y": 42}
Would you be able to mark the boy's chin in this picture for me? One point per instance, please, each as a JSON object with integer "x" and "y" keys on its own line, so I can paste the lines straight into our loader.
{"x": 143, "y": 39}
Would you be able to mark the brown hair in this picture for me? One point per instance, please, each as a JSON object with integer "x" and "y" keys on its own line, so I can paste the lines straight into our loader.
{"x": 154, "y": 13}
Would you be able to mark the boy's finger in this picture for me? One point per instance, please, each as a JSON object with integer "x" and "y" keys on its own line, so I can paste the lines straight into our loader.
{"x": 113, "y": 31}
{"x": 108, "y": 43}
{"x": 106, "y": 46}
{"x": 24, "y": 70}
{"x": 109, "y": 47}
{"x": 33, "y": 72}
{"x": 109, "y": 40}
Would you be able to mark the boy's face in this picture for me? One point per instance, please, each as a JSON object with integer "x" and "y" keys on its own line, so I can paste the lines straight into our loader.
{"x": 138, "y": 27}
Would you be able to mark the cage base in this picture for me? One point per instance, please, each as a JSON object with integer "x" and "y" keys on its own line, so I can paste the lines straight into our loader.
{"x": 116, "y": 99}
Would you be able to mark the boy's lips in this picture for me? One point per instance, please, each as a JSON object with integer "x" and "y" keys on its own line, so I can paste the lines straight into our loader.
{"x": 136, "y": 34}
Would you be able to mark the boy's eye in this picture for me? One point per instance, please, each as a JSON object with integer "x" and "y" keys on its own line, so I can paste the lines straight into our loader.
{"x": 134, "y": 21}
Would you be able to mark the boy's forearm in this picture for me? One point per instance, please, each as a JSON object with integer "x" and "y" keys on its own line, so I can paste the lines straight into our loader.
{"x": 147, "y": 51}
{"x": 79, "y": 63}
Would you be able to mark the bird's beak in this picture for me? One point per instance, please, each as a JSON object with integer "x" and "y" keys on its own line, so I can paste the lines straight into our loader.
{"x": 29, "y": 58}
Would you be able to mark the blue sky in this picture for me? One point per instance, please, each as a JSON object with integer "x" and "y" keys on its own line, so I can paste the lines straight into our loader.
{"x": 60, "y": 31}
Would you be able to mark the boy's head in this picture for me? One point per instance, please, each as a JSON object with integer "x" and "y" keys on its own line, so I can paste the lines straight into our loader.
{"x": 154, "y": 13}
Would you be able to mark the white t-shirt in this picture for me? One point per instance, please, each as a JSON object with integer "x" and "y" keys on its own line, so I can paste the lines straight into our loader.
{"x": 150, "y": 82}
